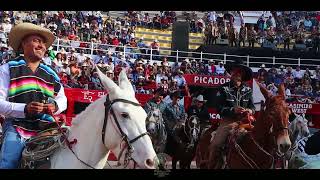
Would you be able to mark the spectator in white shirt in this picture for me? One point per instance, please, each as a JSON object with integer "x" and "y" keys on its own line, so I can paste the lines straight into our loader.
{"x": 160, "y": 75}
{"x": 272, "y": 89}
{"x": 212, "y": 16}
{"x": 288, "y": 93}
{"x": 72, "y": 53}
{"x": 297, "y": 74}
{"x": 65, "y": 69}
{"x": 3, "y": 37}
{"x": 81, "y": 57}
{"x": 316, "y": 74}
{"x": 307, "y": 24}
{"x": 220, "y": 70}
{"x": 7, "y": 25}
{"x": 181, "y": 81}
{"x": 47, "y": 59}
{"x": 110, "y": 64}
{"x": 76, "y": 42}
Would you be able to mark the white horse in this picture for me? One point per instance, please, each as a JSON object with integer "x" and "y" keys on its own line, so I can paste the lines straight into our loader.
{"x": 125, "y": 129}
{"x": 298, "y": 129}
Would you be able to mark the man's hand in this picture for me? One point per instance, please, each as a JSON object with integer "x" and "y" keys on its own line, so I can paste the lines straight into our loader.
{"x": 50, "y": 108}
{"x": 239, "y": 110}
{"x": 249, "y": 111}
{"x": 34, "y": 108}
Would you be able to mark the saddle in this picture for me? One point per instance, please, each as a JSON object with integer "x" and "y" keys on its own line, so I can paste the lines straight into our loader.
{"x": 38, "y": 150}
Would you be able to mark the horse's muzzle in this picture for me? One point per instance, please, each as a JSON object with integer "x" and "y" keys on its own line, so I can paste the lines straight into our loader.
{"x": 284, "y": 147}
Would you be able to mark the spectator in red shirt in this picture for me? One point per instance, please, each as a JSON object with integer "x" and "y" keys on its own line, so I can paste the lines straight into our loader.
{"x": 133, "y": 42}
{"x": 150, "y": 75}
{"x": 211, "y": 67}
{"x": 318, "y": 16}
{"x": 155, "y": 49}
{"x": 164, "y": 22}
{"x": 64, "y": 78}
{"x": 84, "y": 80}
{"x": 115, "y": 41}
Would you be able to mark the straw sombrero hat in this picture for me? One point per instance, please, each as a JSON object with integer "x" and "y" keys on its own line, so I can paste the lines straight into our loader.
{"x": 21, "y": 30}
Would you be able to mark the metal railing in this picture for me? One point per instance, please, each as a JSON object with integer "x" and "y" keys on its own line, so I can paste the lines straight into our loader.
{"x": 178, "y": 56}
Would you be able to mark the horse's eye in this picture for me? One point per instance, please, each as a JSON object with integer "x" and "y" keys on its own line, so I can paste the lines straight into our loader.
{"x": 125, "y": 115}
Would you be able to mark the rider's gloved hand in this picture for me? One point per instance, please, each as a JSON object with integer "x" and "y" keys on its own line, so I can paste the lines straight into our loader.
{"x": 248, "y": 111}
{"x": 239, "y": 110}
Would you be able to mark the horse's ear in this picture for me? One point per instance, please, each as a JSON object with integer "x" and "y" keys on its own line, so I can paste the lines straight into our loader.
{"x": 282, "y": 91}
{"x": 124, "y": 82}
{"x": 264, "y": 91}
{"x": 108, "y": 84}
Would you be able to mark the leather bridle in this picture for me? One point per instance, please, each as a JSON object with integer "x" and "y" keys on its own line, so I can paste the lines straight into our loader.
{"x": 108, "y": 109}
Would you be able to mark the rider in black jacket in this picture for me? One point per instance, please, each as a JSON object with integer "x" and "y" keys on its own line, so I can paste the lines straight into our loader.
{"x": 234, "y": 104}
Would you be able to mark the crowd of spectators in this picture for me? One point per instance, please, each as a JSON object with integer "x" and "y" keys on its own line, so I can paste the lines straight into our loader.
{"x": 83, "y": 29}
{"x": 77, "y": 70}
{"x": 281, "y": 30}
{"x": 298, "y": 83}
{"x": 75, "y": 62}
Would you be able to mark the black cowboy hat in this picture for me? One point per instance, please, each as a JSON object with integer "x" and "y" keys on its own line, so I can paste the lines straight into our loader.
{"x": 175, "y": 94}
{"x": 238, "y": 63}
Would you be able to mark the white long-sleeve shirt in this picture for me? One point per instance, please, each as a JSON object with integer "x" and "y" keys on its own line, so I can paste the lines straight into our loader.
{"x": 16, "y": 110}
{"x": 298, "y": 74}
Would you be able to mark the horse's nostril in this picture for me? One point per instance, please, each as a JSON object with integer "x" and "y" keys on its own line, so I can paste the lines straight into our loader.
{"x": 149, "y": 163}
{"x": 307, "y": 134}
{"x": 284, "y": 147}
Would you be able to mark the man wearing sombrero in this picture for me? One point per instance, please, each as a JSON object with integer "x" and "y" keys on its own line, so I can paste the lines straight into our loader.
{"x": 235, "y": 104}
{"x": 156, "y": 102}
{"x": 174, "y": 116}
{"x": 201, "y": 111}
{"x": 29, "y": 91}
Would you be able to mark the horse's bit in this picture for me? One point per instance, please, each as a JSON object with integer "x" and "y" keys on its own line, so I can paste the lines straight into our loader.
{"x": 108, "y": 104}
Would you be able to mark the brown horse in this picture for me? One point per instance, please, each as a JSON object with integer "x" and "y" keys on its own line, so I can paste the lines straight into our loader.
{"x": 264, "y": 144}
{"x": 202, "y": 153}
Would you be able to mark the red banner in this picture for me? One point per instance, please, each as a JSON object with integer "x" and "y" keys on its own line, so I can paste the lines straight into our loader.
{"x": 214, "y": 115}
{"x": 304, "y": 108}
{"x": 89, "y": 96}
{"x": 84, "y": 96}
{"x": 204, "y": 80}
